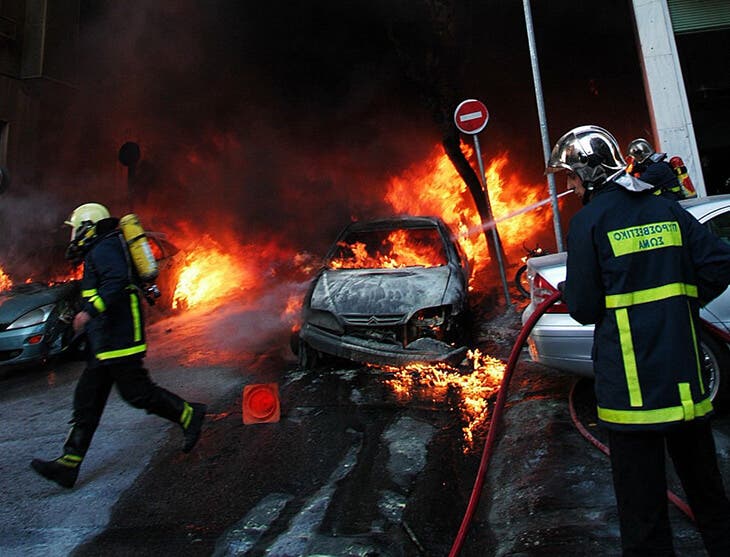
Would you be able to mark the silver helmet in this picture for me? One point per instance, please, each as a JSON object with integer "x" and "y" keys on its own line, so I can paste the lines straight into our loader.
{"x": 640, "y": 149}
{"x": 589, "y": 151}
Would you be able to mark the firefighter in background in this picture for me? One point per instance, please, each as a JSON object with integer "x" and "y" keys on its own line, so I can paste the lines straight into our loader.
{"x": 651, "y": 167}
{"x": 639, "y": 266}
{"x": 112, "y": 317}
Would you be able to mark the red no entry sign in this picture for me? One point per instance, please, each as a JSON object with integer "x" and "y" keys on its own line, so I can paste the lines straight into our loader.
{"x": 471, "y": 116}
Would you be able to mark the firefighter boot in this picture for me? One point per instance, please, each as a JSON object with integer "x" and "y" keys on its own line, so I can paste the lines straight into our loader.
{"x": 191, "y": 421}
{"x": 64, "y": 470}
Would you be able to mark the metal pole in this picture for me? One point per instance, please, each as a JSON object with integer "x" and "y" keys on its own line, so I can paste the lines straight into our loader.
{"x": 543, "y": 121}
{"x": 495, "y": 236}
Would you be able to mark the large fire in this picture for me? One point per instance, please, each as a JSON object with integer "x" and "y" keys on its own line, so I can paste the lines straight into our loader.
{"x": 402, "y": 248}
{"x": 434, "y": 187}
{"x": 435, "y": 381}
{"x": 214, "y": 270}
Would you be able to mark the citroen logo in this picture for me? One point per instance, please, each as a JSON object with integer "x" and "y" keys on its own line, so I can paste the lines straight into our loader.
{"x": 373, "y": 320}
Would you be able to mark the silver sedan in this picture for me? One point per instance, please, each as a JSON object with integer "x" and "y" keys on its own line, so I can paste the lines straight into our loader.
{"x": 558, "y": 341}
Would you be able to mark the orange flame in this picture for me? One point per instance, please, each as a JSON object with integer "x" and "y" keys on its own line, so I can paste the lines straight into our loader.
{"x": 434, "y": 381}
{"x": 211, "y": 274}
{"x": 401, "y": 249}
{"x": 5, "y": 281}
{"x": 434, "y": 187}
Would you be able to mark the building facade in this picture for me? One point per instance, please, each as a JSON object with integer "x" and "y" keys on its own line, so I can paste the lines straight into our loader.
{"x": 37, "y": 75}
{"x": 685, "y": 58}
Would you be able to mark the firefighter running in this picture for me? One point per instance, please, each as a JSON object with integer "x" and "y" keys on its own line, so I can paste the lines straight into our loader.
{"x": 639, "y": 266}
{"x": 112, "y": 318}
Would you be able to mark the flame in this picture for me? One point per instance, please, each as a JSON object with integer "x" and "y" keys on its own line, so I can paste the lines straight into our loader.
{"x": 75, "y": 274}
{"x": 5, "y": 281}
{"x": 435, "y": 380}
{"x": 401, "y": 249}
{"x": 211, "y": 274}
{"x": 434, "y": 187}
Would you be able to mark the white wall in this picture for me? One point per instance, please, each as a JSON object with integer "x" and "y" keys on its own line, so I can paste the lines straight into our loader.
{"x": 667, "y": 99}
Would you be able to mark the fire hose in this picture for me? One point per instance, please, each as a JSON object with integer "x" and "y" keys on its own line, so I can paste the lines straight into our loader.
{"x": 497, "y": 415}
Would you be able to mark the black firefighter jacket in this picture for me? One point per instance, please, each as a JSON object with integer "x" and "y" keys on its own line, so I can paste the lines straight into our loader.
{"x": 116, "y": 329}
{"x": 659, "y": 173}
{"x": 638, "y": 266}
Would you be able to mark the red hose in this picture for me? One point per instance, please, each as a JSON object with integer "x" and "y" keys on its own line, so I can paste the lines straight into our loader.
{"x": 496, "y": 415}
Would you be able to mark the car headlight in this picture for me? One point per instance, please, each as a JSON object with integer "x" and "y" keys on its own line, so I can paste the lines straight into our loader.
{"x": 428, "y": 322}
{"x": 324, "y": 320}
{"x": 430, "y": 318}
{"x": 33, "y": 317}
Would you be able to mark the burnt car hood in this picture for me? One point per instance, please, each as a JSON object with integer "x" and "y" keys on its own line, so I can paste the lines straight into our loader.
{"x": 21, "y": 299}
{"x": 380, "y": 291}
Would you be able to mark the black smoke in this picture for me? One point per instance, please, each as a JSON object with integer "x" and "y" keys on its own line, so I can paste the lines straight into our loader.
{"x": 285, "y": 119}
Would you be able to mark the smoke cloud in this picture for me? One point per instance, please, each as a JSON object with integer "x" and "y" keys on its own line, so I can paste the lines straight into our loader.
{"x": 285, "y": 120}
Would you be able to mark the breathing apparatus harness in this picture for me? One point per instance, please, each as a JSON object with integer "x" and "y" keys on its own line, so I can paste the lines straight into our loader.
{"x": 136, "y": 250}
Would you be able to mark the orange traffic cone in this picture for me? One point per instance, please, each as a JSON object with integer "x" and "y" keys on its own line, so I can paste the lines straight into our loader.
{"x": 261, "y": 403}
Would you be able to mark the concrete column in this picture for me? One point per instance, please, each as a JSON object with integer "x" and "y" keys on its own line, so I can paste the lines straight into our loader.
{"x": 665, "y": 93}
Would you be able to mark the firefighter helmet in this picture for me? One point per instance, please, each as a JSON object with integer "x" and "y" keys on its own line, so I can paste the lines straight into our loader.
{"x": 84, "y": 219}
{"x": 83, "y": 223}
{"x": 640, "y": 149}
{"x": 589, "y": 151}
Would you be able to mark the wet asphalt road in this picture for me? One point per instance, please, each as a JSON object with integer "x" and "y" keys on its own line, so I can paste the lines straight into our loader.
{"x": 348, "y": 470}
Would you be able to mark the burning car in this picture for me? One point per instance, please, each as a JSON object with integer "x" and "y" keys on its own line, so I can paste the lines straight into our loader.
{"x": 35, "y": 321}
{"x": 391, "y": 292}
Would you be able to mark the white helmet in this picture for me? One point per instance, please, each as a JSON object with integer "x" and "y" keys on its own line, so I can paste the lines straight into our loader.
{"x": 84, "y": 218}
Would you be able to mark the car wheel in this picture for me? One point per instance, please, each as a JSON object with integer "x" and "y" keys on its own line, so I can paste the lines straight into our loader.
{"x": 521, "y": 282}
{"x": 309, "y": 358}
{"x": 715, "y": 362}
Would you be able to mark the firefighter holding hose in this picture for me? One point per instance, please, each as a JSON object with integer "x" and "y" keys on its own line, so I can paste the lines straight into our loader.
{"x": 112, "y": 318}
{"x": 639, "y": 267}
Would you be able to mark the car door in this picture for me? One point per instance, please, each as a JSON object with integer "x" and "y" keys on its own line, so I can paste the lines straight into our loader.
{"x": 717, "y": 311}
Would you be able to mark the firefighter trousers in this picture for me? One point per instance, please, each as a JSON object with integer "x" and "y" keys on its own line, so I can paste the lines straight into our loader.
{"x": 638, "y": 463}
{"x": 135, "y": 387}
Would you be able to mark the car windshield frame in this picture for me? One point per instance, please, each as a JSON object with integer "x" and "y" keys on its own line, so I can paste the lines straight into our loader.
{"x": 393, "y": 247}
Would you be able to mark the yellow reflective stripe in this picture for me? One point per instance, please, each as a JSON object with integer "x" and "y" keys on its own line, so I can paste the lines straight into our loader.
{"x": 629, "y": 358}
{"x": 651, "y": 295}
{"x": 658, "y": 416}
{"x": 697, "y": 350}
{"x": 88, "y": 293}
{"x": 98, "y": 303}
{"x": 121, "y": 352}
{"x": 134, "y": 306}
{"x": 186, "y": 416}
{"x": 645, "y": 237}
{"x": 685, "y": 397}
{"x": 70, "y": 460}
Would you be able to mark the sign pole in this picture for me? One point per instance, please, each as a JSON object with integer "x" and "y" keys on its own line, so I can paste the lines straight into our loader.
{"x": 543, "y": 122}
{"x": 471, "y": 117}
{"x": 493, "y": 226}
